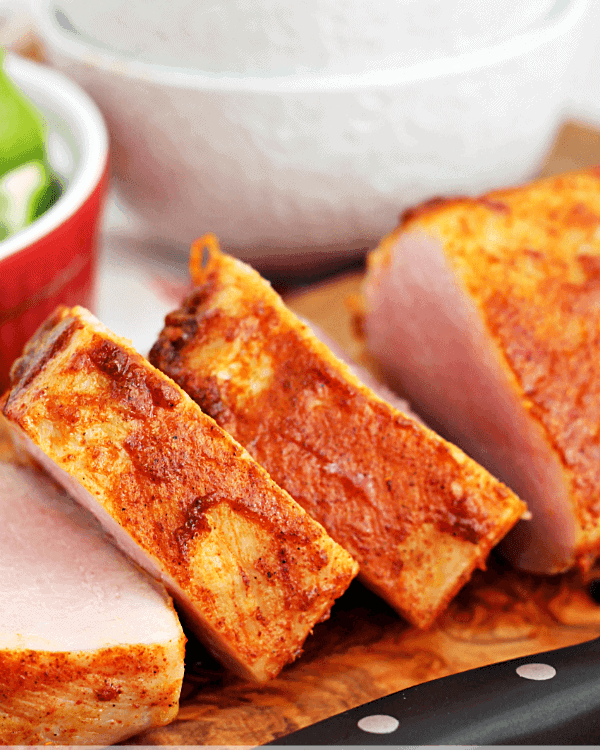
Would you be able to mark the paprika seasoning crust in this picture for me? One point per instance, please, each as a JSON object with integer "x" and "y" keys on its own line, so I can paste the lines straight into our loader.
{"x": 414, "y": 511}
{"x": 73, "y": 698}
{"x": 91, "y": 648}
{"x": 486, "y": 312}
{"x": 251, "y": 572}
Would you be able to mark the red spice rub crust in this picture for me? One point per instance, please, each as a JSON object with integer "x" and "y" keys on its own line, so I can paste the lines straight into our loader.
{"x": 58, "y": 698}
{"x": 252, "y": 570}
{"x": 533, "y": 270}
{"x": 416, "y": 512}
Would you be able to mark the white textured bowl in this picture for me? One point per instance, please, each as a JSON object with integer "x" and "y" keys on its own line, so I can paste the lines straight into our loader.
{"x": 302, "y": 168}
{"x": 267, "y": 37}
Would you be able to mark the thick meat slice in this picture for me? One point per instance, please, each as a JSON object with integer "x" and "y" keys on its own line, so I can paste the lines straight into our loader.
{"x": 250, "y": 569}
{"x": 486, "y": 313}
{"x": 415, "y": 512}
{"x": 91, "y": 650}
{"x": 362, "y": 373}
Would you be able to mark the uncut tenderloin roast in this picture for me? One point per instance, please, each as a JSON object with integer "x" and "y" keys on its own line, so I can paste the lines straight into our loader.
{"x": 250, "y": 570}
{"x": 485, "y": 312}
{"x": 91, "y": 649}
{"x": 414, "y": 511}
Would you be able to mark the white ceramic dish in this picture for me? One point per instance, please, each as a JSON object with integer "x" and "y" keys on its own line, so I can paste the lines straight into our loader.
{"x": 299, "y": 169}
{"x": 276, "y": 37}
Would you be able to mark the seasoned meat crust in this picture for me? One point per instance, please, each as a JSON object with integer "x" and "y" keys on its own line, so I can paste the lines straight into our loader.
{"x": 250, "y": 569}
{"x": 87, "y": 697}
{"x": 415, "y": 511}
{"x": 91, "y": 649}
{"x": 513, "y": 280}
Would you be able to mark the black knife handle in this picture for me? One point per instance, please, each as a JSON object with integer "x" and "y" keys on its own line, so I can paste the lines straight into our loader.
{"x": 490, "y": 705}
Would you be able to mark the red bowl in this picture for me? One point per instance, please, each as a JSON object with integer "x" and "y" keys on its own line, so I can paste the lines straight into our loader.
{"x": 53, "y": 260}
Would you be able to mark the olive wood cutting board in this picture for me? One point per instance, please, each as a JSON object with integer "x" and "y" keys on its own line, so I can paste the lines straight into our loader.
{"x": 365, "y": 651}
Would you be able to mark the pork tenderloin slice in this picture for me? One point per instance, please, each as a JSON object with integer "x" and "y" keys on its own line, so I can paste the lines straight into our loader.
{"x": 250, "y": 570}
{"x": 91, "y": 649}
{"x": 379, "y": 388}
{"x": 485, "y": 313}
{"x": 415, "y": 511}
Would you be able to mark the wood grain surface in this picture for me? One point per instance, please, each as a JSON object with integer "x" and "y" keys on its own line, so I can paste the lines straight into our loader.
{"x": 365, "y": 650}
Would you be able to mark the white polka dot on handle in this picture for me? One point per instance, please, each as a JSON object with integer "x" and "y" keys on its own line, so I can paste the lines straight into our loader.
{"x": 378, "y": 724}
{"x": 536, "y": 671}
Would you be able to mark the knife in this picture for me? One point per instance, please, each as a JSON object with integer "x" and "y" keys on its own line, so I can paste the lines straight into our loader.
{"x": 551, "y": 698}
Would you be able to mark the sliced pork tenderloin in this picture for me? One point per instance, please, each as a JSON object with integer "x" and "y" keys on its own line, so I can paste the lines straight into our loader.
{"x": 415, "y": 511}
{"x": 485, "y": 312}
{"x": 360, "y": 372}
{"x": 251, "y": 571}
{"x": 91, "y": 649}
